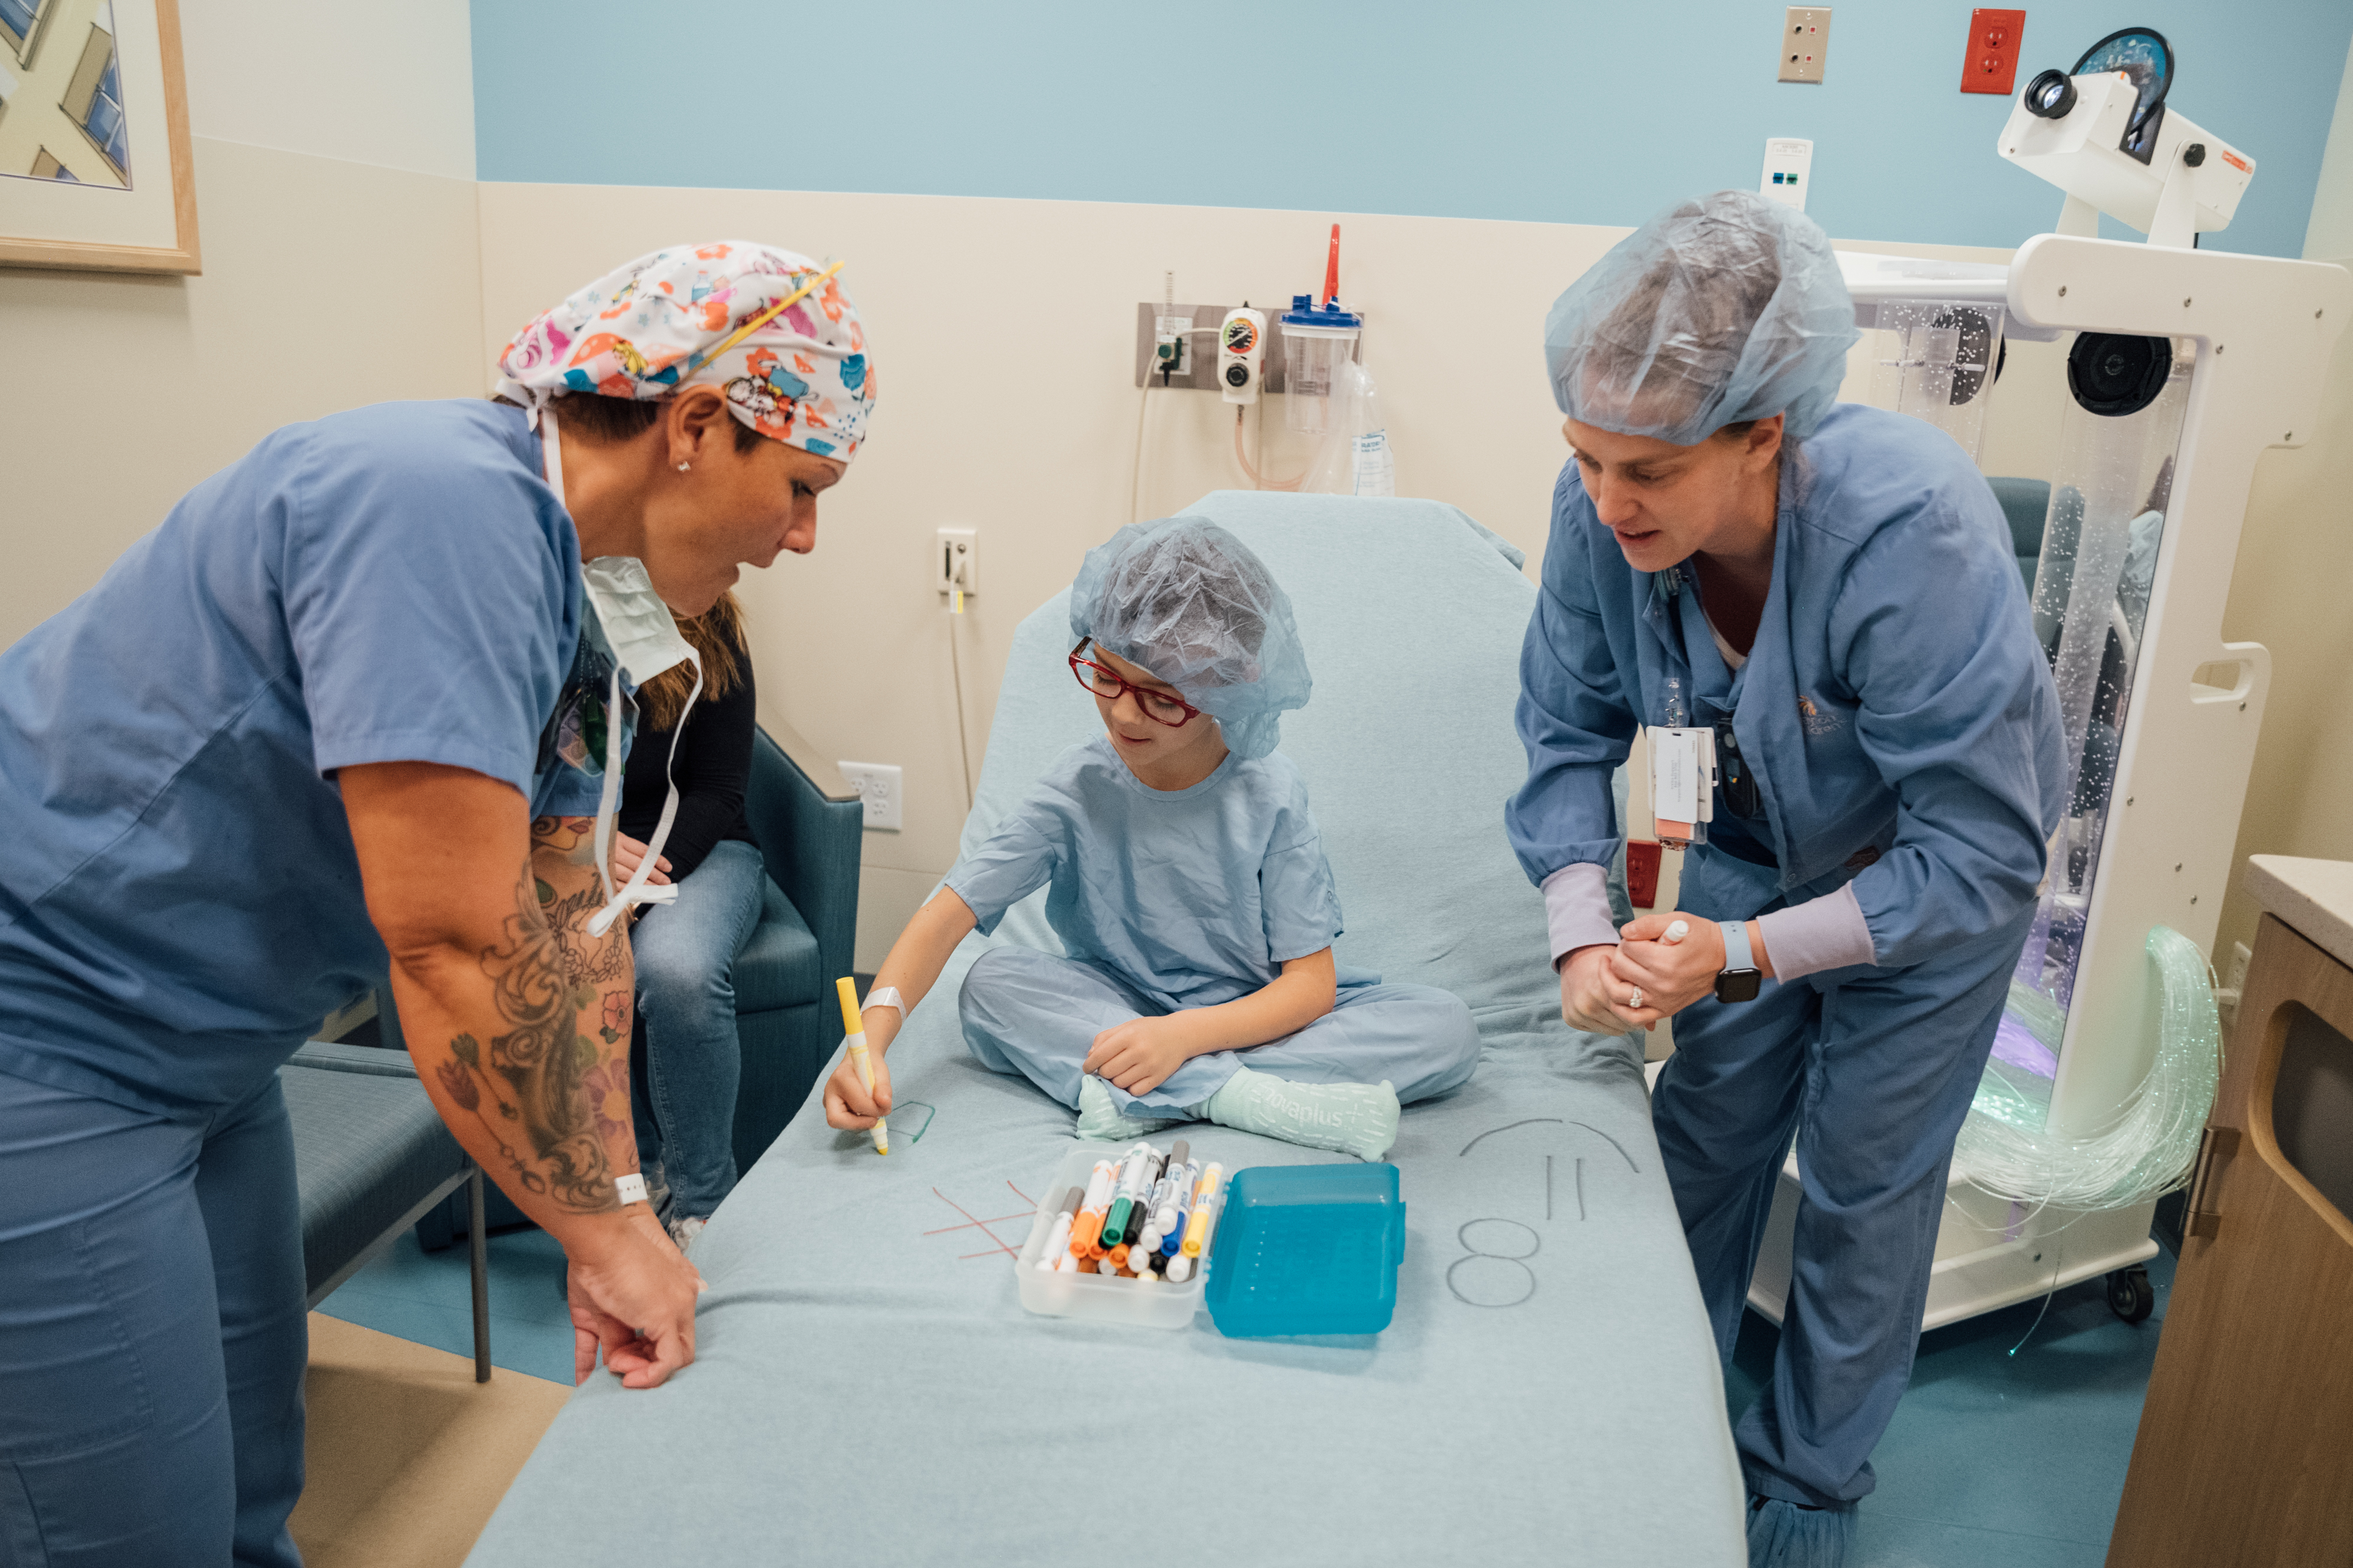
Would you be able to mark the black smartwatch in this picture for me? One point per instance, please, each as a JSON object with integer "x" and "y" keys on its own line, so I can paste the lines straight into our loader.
{"x": 1739, "y": 980}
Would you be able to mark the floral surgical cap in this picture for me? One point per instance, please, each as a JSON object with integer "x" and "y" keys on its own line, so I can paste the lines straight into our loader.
{"x": 676, "y": 318}
{"x": 1189, "y": 602}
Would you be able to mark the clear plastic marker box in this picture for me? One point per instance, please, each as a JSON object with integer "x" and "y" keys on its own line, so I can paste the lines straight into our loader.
{"x": 1105, "y": 1297}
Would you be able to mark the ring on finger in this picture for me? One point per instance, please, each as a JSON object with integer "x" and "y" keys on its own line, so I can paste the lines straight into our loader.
{"x": 1636, "y": 999}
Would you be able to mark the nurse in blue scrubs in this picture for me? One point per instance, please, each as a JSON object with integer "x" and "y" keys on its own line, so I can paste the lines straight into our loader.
{"x": 348, "y": 713}
{"x": 1830, "y": 590}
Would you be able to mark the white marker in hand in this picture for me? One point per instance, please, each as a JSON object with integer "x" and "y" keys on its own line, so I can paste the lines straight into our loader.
{"x": 1675, "y": 933}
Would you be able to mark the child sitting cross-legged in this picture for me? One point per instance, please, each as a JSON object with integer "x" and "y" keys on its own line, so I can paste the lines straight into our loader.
{"x": 1187, "y": 884}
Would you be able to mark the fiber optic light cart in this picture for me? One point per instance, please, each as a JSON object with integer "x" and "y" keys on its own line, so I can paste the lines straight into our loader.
{"x": 2185, "y": 366}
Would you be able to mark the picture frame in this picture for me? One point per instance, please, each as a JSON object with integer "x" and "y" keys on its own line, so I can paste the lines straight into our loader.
{"x": 96, "y": 171}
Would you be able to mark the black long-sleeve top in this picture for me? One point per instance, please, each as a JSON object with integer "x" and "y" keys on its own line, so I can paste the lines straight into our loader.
{"x": 714, "y": 765}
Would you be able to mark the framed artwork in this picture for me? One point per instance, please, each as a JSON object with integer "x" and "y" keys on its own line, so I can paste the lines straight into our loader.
{"x": 95, "y": 170}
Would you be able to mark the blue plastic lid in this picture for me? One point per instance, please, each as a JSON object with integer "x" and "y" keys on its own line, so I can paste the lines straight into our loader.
{"x": 1305, "y": 312}
{"x": 1307, "y": 1249}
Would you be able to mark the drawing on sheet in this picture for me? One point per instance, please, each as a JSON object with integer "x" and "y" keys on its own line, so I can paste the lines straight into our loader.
{"x": 1494, "y": 1269}
{"x": 905, "y": 1126}
{"x": 973, "y": 1221}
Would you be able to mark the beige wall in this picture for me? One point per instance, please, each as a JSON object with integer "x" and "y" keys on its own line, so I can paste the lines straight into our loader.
{"x": 129, "y": 389}
{"x": 1004, "y": 335}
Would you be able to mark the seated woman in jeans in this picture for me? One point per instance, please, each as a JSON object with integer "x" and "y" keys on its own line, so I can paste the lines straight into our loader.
{"x": 683, "y": 1082}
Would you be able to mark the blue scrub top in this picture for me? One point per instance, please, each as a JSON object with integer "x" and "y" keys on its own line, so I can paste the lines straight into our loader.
{"x": 180, "y": 903}
{"x": 1896, "y": 702}
{"x": 1194, "y": 897}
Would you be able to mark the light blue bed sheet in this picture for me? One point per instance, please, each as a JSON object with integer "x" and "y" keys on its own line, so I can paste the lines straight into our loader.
{"x": 870, "y": 1389}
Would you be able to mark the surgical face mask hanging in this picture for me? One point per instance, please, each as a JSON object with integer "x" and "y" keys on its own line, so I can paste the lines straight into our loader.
{"x": 644, "y": 640}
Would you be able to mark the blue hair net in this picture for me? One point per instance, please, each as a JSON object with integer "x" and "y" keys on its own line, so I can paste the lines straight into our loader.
{"x": 1721, "y": 308}
{"x": 1186, "y": 601}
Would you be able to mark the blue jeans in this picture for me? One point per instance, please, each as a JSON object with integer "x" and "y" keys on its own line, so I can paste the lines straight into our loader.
{"x": 1871, "y": 1069}
{"x": 152, "y": 1335}
{"x": 685, "y": 953}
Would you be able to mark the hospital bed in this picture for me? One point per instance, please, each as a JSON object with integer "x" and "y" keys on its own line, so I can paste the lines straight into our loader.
{"x": 870, "y": 1389}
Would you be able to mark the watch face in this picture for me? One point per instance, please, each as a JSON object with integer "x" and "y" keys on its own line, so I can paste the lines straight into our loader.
{"x": 1740, "y": 985}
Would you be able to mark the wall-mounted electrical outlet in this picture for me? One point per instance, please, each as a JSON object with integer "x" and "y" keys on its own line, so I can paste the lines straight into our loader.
{"x": 878, "y": 786}
{"x": 956, "y": 559}
{"x": 2234, "y": 984}
{"x": 1805, "y": 43}
{"x": 1989, "y": 63}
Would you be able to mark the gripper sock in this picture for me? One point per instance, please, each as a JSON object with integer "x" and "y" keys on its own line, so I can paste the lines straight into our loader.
{"x": 1099, "y": 1118}
{"x": 1359, "y": 1119}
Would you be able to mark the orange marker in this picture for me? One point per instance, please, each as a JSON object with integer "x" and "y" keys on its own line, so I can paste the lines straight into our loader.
{"x": 1086, "y": 1231}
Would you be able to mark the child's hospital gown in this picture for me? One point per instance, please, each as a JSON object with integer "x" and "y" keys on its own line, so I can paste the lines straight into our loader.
{"x": 1175, "y": 898}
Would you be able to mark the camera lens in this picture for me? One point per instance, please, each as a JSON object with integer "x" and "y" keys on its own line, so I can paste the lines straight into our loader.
{"x": 2050, "y": 95}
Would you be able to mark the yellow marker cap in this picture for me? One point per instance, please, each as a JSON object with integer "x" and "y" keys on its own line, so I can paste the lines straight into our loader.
{"x": 848, "y": 988}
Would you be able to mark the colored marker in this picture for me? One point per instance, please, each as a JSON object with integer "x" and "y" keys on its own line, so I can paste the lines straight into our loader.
{"x": 1180, "y": 1271}
{"x": 1134, "y": 1174}
{"x": 1675, "y": 933}
{"x": 1209, "y": 1231}
{"x": 854, "y": 1028}
{"x": 1135, "y": 1218}
{"x": 1066, "y": 1264}
{"x": 1058, "y": 1240}
{"x": 1178, "y": 1187}
{"x": 1089, "y": 1224}
{"x": 1205, "y": 1207}
{"x": 1170, "y": 1222}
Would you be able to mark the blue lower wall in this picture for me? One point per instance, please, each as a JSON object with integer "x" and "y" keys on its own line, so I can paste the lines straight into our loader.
{"x": 1568, "y": 112}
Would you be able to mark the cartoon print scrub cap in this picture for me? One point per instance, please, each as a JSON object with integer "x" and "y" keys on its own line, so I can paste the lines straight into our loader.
{"x": 1724, "y": 307}
{"x": 800, "y": 375}
{"x": 1187, "y": 601}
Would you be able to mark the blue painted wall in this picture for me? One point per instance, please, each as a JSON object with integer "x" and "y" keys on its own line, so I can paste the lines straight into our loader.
{"x": 1563, "y": 111}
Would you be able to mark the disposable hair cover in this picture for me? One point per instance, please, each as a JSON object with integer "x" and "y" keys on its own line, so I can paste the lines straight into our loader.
{"x": 1189, "y": 602}
{"x": 1722, "y": 309}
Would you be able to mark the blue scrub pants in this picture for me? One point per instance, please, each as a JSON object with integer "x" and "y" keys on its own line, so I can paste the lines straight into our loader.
{"x": 1873, "y": 1069}
{"x": 153, "y": 1333}
{"x": 1032, "y": 1014}
{"x": 687, "y": 1075}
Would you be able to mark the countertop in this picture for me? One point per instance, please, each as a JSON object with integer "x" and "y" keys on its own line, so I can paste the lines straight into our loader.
{"x": 2315, "y": 897}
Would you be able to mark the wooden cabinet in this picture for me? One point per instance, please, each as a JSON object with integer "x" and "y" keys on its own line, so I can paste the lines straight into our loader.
{"x": 2245, "y": 1449}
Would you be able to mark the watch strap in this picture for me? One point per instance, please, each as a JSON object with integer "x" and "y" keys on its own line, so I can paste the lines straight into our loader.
{"x": 1737, "y": 952}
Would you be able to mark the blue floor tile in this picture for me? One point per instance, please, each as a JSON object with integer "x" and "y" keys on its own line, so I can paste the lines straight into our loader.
{"x": 1996, "y": 1459}
{"x": 427, "y": 1297}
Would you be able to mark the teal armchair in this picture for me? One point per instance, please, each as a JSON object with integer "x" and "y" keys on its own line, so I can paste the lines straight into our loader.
{"x": 810, "y": 825}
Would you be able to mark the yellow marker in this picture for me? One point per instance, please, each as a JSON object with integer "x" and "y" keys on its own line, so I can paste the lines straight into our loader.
{"x": 1205, "y": 1201}
{"x": 856, "y": 1027}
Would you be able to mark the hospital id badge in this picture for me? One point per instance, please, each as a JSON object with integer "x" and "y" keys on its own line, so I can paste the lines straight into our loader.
{"x": 1682, "y": 784}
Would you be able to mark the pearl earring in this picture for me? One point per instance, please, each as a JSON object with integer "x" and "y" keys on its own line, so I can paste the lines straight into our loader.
{"x": 683, "y": 467}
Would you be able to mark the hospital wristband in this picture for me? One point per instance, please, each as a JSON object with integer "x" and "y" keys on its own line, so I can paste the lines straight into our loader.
{"x": 629, "y": 1189}
{"x": 886, "y": 996}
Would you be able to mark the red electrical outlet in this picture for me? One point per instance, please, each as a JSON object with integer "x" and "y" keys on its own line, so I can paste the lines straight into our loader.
{"x": 1991, "y": 64}
{"x": 1642, "y": 873}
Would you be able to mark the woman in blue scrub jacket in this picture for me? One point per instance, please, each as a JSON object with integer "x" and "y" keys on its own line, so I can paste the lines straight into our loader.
{"x": 340, "y": 718}
{"x": 1829, "y": 589}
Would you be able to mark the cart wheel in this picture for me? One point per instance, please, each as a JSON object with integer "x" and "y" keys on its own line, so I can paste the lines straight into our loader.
{"x": 2130, "y": 1295}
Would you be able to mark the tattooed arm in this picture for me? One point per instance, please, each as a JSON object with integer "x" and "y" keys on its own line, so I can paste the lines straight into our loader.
{"x": 519, "y": 1023}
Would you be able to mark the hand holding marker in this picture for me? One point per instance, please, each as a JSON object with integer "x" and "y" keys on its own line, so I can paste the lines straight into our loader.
{"x": 855, "y": 1027}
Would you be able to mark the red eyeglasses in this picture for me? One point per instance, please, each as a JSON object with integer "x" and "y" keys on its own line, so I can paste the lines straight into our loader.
{"x": 1158, "y": 706}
